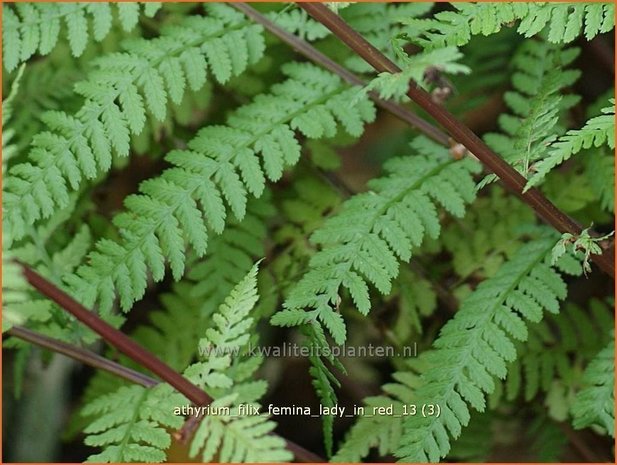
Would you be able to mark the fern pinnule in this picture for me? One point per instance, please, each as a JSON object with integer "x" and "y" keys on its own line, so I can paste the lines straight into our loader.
{"x": 218, "y": 171}
{"x": 30, "y": 27}
{"x": 229, "y": 256}
{"x": 475, "y": 346}
{"x": 122, "y": 91}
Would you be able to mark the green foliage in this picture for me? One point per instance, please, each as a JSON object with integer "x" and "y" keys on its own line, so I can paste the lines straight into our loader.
{"x": 548, "y": 361}
{"x": 383, "y": 432}
{"x": 416, "y": 67}
{"x": 150, "y": 158}
{"x": 358, "y": 250}
{"x": 595, "y": 403}
{"x": 236, "y": 438}
{"x": 31, "y": 27}
{"x": 120, "y": 93}
{"x": 131, "y": 424}
{"x": 539, "y": 78}
{"x": 476, "y": 345}
{"x": 494, "y": 234}
{"x": 229, "y": 257}
{"x": 219, "y": 170}
{"x": 18, "y": 305}
{"x": 597, "y": 131}
{"x": 563, "y": 22}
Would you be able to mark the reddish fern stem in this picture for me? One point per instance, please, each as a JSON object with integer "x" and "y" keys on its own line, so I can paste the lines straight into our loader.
{"x": 135, "y": 351}
{"x": 543, "y": 207}
{"x": 82, "y": 355}
{"x": 315, "y": 55}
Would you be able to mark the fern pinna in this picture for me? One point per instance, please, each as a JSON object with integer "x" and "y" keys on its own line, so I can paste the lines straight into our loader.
{"x": 357, "y": 250}
{"x": 221, "y": 181}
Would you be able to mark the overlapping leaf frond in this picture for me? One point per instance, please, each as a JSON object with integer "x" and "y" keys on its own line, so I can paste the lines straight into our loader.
{"x": 121, "y": 92}
{"x": 358, "y": 249}
{"x": 563, "y": 22}
{"x": 222, "y": 166}
{"x": 476, "y": 345}
{"x": 29, "y": 28}
{"x": 536, "y": 103}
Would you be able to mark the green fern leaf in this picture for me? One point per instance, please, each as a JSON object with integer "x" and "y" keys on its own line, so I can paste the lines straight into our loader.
{"x": 31, "y": 27}
{"x": 357, "y": 251}
{"x": 536, "y": 104}
{"x": 234, "y": 437}
{"x": 597, "y": 131}
{"x": 563, "y": 21}
{"x": 122, "y": 91}
{"x": 220, "y": 163}
{"x": 475, "y": 347}
{"x": 595, "y": 403}
{"x": 383, "y": 432}
{"x": 131, "y": 424}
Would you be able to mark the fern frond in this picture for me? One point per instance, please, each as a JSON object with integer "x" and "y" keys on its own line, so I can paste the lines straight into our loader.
{"x": 358, "y": 249}
{"x": 595, "y": 403}
{"x": 536, "y": 103}
{"x": 132, "y": 424}
{"x": 476, "y": 345}
{"x": 120, "y": 93}
{"x": 31, "y": 27}
{"x": 217, "y": 173}
{"x": 563, "y": 21}
{"x": 600, "y": 173}
{"x": 597, "y": 131}
{"x": 235, "y": 438}
{"x": 238, "y": 439}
